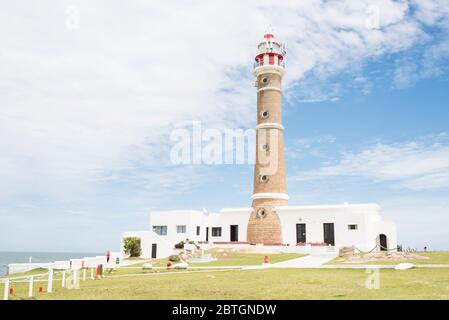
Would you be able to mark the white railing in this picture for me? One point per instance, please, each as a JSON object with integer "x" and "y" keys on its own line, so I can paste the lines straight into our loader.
{"x": 256, "y": 64}
{"x": 65, "y": 264}
{"x": 70, "y": 278}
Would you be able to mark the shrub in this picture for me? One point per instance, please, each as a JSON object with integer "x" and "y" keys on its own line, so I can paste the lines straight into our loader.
{"x": 179, "y": 245}
{"x": 132, "y": 247}
{"x": 174, "y": 258}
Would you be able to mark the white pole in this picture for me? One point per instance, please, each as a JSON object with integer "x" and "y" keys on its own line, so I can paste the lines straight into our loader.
{"x": 63, "y": 279}
{"x": 92, "y": 273}
{"x": 75, "y": 277}
{"x": 30, "y": 287}
{"x": 84, "y": 274}
{"x": 6, "y": 293}
{"x": 50, "y": 280}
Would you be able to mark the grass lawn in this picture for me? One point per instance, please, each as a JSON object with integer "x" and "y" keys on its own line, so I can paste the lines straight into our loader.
{"x": 436, "y": 257}
{"x": 232, "y": 258}
{"x": 260, "y": 284}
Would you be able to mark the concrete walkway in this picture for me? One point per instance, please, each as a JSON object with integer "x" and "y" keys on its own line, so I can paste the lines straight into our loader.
{"x": 310, "y": 261}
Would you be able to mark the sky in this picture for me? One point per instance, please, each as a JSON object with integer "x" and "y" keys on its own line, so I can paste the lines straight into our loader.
{"x": 90, "y": 92}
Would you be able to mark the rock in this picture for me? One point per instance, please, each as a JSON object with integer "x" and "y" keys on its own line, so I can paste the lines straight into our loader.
{"x": 404, "y": 266}
{"x": 181, "y": 265}
{"x": 147, "y": 266}
{"x": 345, "y": 251}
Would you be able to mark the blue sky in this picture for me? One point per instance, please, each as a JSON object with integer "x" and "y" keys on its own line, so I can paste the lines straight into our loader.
{"x": 90, "y": 91}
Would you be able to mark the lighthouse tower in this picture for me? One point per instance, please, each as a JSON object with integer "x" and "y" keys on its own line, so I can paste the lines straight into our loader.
{"x": 269, "y": 171}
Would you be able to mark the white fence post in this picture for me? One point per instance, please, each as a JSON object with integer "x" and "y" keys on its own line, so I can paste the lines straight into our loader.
{"x": 30, "y": 287}
{"x": 50, "y": 280}
{"x": 6, "y": 293}
{"x": 63, "y": 279}
{"x": 92, "y": 274}
{"x": 75, "y": 277}
{"x": 84, "y": 274}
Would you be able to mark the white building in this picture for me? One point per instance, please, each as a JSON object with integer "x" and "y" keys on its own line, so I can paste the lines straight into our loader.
{"x": 304, "y": 228}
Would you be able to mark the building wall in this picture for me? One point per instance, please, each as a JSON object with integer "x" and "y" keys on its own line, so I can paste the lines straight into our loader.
{"x": 225, "y": 219}
{"x": 366, "y": 216}
{"x": 189, "y": 218}
{"x": 192, "y": 219}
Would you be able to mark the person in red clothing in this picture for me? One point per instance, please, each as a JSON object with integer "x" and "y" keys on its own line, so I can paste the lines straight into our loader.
{"x": 108, "y": 256}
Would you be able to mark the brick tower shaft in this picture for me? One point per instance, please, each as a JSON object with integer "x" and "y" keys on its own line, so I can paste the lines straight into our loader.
{"x": 269, "y": 170}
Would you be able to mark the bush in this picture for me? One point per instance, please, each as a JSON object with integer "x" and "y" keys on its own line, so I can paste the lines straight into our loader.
{"x": 174, "y": 258}
{"x": 132, "y": 247}
{"x": 180, "y": 245}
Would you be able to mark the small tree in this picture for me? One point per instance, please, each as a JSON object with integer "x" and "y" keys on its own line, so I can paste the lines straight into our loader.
{"x": 132, "y": 247}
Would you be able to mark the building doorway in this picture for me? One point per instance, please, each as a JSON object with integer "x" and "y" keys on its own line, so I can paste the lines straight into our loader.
{"x": 154, "y": 251}
{"x": 301, "y": 233}
{"x": 207, "y": 234}
{"x": 234, "y": 233}
{"x": 329, "y": 234}
{"x": 383, "y": 242}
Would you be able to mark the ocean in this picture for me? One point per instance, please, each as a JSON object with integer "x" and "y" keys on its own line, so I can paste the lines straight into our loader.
{"x": 23, "y": 257}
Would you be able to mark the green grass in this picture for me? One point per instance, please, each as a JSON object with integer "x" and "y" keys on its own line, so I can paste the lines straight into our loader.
{"x": 260, "y": 284}
{"x": 231, "y": 258}
{"x": 437, "y": 257}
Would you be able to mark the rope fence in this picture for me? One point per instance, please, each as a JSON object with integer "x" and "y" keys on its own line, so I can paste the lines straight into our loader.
{"x": 375, "y": 247}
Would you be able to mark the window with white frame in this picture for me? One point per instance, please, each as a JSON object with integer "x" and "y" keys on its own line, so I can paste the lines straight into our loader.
{"x": 352, "y": 227}
{"x": 160, "y": 230}
{"x": 198, "y": 228}
{"x": 216, "y": 232}
{"x": 181, "y": 229}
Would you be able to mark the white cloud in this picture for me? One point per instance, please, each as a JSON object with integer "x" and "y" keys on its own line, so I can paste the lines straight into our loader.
{"x": 418, "y": 165}
{"x": 405, "y": 74}
{"x": 432, "y": 60}
{"x": 309, "y": 145}
{"x": 76, "y": 104}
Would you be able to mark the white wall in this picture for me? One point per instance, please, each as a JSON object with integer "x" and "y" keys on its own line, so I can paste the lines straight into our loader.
{"x": 192, "y": 219}
{"x": 366, "y": 216}
{"x": 225, "y": 219}
{"x": 147, "y": 238}
{"x": 89, "y": 262}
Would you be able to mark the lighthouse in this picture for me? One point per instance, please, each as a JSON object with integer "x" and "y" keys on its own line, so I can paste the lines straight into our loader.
{"x": 269, "y": 171}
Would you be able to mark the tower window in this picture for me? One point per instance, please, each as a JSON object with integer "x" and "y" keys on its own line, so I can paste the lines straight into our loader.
{"x": 352, "y": 227}
{"x": 265, "y": 80}
{"x": 264, "y": 114}
{"x": 216, "y": 232}
{"x": 261, "y": 213}
{"x": 265, "y": 147}
{"x": 264, "y": 178}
